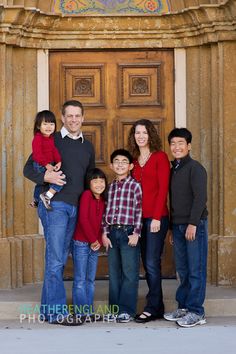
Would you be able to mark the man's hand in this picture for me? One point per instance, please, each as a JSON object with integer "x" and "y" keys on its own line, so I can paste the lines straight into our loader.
{"x": 57, "y": 167}
{"x": 155, "y": 225}
{"x": 190, "y": 233}
{"x": 55, "y": 177}
{"x": 106, "y": 242}
{"x": 95, "y": 246}
{"x": 133, "y": 239}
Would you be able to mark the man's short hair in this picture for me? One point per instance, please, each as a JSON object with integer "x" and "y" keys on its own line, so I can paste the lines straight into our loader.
{"x": 180, "y": 133}
{"x": 121, "y": 152}
{"x": 74, "y": 103}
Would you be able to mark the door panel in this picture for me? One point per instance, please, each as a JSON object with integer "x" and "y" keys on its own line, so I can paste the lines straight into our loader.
{"x": 117, "y": 88}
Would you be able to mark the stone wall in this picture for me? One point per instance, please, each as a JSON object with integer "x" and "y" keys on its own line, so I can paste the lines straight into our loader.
{"x": 21, "y": 251}
{"x": 211, "y": 93}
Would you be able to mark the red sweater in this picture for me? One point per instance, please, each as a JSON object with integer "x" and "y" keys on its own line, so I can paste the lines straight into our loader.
{"x": 89, "y": 222}
{"x": 44, "y": 150}
{"x": 154, "y": 179}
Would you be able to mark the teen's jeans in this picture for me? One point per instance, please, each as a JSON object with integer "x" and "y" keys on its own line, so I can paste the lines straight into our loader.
{"x": 58, "y": 225}
{"x": 85, "y": 266}
{"x": 123, "y": 262}
{"x": 191, "y": 266}
{"x": 152, "y": 244}
{"x": 38, "y": 188}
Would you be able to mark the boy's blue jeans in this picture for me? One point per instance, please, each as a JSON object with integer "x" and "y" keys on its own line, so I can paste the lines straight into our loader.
{"x": 38, "y": 188}
{"x": 191, "y": 266}
{"x": 123, "y": 262}
{"x": 85, "y": 266}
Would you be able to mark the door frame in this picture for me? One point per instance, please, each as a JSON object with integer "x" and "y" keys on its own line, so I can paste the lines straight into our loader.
{"x": 180, "y": 118}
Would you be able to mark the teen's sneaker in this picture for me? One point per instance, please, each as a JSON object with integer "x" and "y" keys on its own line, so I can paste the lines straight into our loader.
{"x": 191, "y": 320}
{"x": 45, "y": 200}
{"x": 175, "y": 315}
{"x": 124, "y": 318}
{"x": 109, "y": 317}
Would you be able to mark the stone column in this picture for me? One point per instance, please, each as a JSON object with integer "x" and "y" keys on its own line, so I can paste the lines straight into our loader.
{"x": 211, "y": 93}
{"x": 21, "y": 250}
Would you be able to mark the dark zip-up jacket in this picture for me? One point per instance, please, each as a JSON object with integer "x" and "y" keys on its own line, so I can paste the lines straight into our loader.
{"x": 188, "y": 192}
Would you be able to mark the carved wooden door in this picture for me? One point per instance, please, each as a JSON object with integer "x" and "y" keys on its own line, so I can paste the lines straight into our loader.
{"x": 116, "y": 89}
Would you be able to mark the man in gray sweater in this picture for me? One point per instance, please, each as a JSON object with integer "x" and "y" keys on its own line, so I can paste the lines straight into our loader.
{"x": 59, "y": 223}
{"x": 188, "y": 196}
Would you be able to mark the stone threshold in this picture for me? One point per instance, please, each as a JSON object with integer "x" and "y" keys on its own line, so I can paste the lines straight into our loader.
{"x": 220, "y": 301}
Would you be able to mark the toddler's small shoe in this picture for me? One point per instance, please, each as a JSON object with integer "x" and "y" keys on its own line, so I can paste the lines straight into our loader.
{"x": 46, "y": 201}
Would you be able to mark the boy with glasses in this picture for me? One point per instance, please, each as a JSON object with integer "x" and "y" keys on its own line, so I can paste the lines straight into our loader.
{"x": 122, "y": 229}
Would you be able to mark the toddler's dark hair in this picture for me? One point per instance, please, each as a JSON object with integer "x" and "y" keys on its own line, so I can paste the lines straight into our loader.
{"x": 46, "y": 116}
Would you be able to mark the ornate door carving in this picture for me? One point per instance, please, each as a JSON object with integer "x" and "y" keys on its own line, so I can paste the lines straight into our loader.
{"x": 116, "y": 88}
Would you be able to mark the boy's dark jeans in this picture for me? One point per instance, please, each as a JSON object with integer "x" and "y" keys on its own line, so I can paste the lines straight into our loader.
{"x": 191, "y": 266}
{"x": 123, "y": 261}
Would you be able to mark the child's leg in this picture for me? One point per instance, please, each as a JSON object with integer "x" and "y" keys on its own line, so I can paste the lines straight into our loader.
{"x": 130, "y": 259}
{"x": 197, "y": 267}
{"x": 81, "y": 252}
{"x": 91, "y": 274}
{"x": 181, "y": 263}
{"x": 115, "y": 270}
{"x": 37, "y": 189}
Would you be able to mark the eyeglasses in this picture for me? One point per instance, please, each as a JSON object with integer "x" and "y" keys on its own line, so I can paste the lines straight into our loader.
{"x": 122, "y": 163}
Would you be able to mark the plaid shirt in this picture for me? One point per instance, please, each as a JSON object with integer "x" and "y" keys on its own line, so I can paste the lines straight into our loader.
{"x": 124, "y": 205}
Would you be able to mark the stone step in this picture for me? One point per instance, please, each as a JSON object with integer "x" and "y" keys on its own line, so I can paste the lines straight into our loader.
{"x": 220, "y": 301}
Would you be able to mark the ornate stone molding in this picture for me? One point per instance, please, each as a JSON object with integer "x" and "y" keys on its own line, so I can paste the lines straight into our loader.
{"x": 31, "y": 28}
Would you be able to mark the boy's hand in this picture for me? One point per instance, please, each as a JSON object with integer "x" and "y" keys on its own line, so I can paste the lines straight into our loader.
{"x": 49, "y": 167}
{"x": 95, "y": 246}
{"x": 57, "y": 167}
{"x": 133, "y": 239}
{"x": 155, "y": 225}
{"x": 190, "y": 233}
{"x": 106, "y": 242}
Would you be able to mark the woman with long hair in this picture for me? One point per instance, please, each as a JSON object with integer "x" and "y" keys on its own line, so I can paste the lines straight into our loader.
{"x": 152, "y": 170}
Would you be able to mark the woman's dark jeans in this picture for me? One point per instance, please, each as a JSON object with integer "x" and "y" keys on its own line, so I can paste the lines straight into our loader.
{"x": 152, "y": 244}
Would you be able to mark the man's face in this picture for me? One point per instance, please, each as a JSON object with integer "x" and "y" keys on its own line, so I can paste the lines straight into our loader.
{"x": 179, "y": 147}
{"x": 73, "y": 119}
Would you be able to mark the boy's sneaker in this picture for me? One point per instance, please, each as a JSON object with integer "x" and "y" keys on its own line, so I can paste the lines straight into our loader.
{"x": 109, "y": 317}
{"x": 191, "y": 320}
{"x": 124, "y": 318}
{"x": 175, "y": 315}
{"x": 46, "y": 201}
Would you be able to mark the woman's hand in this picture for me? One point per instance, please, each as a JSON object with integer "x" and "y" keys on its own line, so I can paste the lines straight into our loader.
{"x": 155, "y": 225}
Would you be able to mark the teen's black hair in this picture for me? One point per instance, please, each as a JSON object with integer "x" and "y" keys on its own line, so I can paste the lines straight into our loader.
{"x": 96, "y": 173}
{"x": 121, "y": 152}
{"x": 180, "y": 133}
{"x": 73, "y": 103}
{"x": 46, "y": 116}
